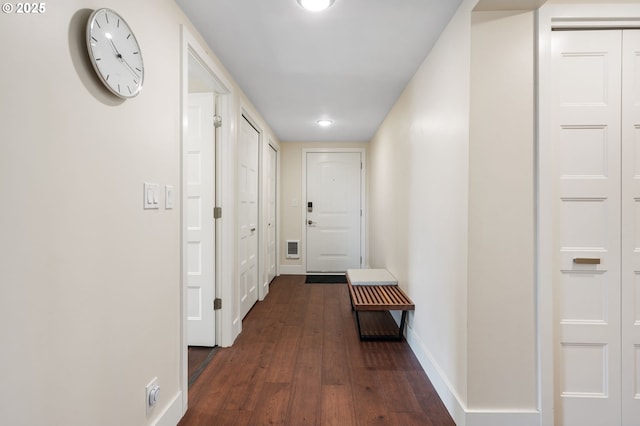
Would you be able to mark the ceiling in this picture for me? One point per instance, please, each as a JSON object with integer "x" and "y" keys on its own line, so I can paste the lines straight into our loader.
{"x": 348, "y": 64}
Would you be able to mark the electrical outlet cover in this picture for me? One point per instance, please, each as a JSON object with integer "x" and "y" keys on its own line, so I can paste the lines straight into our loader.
{"x": 152, "y": 392}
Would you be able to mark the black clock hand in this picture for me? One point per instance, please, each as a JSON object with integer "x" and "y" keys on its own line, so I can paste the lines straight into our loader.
{"x": 121, "y": 58}
{"x": 113, "y": 47}
{"x": 129, "y": 67}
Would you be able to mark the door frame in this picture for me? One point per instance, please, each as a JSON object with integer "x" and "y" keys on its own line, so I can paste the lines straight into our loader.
{"x": 566, "y": 16}
{"x": 363, "y": 188}
{"x": 224, "y": 176}
{"x": 272, "y": 145}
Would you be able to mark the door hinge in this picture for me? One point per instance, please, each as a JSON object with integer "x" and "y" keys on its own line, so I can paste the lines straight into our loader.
{"x": 217, "y": 212}
{"x": 217, "y": 121}
{"x": 217, "y": 304}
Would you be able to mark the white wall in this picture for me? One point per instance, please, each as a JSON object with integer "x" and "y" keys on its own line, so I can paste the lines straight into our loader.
{"x": 501, "y": 286}
{"x": 452, "y": 215}
{"x": 418, "y": 204}
{"x": 90, "y": 294}
{"x": 89, "y": 306}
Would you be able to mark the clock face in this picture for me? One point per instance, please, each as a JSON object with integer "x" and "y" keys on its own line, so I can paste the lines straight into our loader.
{"x": 115, "y": 53}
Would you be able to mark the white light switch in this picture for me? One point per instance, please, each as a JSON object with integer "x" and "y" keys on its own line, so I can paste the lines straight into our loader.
{"x": 151, "y": 195}
{"x": 168, "y": 197}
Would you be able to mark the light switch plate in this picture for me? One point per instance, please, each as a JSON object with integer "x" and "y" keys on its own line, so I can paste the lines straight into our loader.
{"x": 168, "y": 196}
{"x": 151, "y": 196}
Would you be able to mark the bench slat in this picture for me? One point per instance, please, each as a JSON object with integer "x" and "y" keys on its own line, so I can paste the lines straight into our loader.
{"x": 376, "y": 298}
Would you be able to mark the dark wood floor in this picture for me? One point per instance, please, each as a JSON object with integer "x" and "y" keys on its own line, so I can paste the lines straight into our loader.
{"x": 298, "y": 361}
{"x": 198, "y": 358}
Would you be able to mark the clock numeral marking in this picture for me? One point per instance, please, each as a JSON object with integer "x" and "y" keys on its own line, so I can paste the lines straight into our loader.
{"x": 94, "y": 39}
{"x": 98, "y": 59}
{"x": 106, "y": 17}
{"x": 128, "y": 36}
{"x": 98, "y": 24}
{"x": 138, "y": 69}
{"x": 118, "y": 87}
{"x": 129, "y": 88}
{"x": 136, "y": 53}
{"x": 108, "y": 75}
{"x": 118, "y": 25}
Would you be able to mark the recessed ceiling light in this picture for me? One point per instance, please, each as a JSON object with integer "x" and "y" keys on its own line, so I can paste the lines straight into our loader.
{"x": 324, "y": 123}
{"x": 315, "y": 5}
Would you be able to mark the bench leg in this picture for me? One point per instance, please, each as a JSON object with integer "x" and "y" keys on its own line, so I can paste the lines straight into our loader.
{"x": 359, "y": 329}
{"x": 402, "y": 321}
{"x": 399, "y": 337}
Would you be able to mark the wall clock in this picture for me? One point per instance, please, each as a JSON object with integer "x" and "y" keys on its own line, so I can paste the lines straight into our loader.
{"x": 115, "y": 53}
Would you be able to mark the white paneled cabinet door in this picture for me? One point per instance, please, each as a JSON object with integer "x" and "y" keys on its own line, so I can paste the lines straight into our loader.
{"x": 631, "y": 227}
{"x": 334, "y": 213}
{"x": 248, "y": 145}
{"x": 199, "y": 152}
{"x": 596, "y": 140}
{"x": 586, "y": 141}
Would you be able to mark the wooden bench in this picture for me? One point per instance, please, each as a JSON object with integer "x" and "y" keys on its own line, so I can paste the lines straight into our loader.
{"x": 382, "y": 297}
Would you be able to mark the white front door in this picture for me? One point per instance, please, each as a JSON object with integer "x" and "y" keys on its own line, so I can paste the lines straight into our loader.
{"x": 199, "y": 164}
{"x": 334, "y": 212}
{"x": 272, "y": 195}
{"x": 596, "y": 139}
{"x": 248, "y": 146}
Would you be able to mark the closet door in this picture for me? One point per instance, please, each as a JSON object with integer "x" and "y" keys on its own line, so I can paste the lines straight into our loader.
{"x": 631, "y": 227}
{"x": 587, "y": 223}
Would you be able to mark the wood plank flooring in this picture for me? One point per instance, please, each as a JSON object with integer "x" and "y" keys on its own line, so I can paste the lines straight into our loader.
{"x": 198, "y": 358}
{"x": 298, "y": 361}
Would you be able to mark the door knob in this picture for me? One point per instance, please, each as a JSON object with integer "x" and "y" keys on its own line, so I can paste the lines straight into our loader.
{"x": 310, "y": 222}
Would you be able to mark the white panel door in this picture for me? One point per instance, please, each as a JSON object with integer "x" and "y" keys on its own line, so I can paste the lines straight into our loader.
{"x": 199, "y": 164}
{"x": 272, "y": 196}
{"x": 587, "y": 221}
{"x": 631, "y": 228}
{"x": 248, "y": 145}
{"x": 334, "y": 213}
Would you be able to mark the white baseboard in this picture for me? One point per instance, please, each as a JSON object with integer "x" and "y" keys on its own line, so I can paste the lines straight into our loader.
{"x": 172, "y": 413}
{"x": 461, "y": 415}
{"x": 502, "y": 418}
{"x": 292, "y": 270}
{"x": 446, "y": 392}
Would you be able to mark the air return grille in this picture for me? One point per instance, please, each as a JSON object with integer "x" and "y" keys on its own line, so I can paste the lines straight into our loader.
{"x": 293, "y": 249}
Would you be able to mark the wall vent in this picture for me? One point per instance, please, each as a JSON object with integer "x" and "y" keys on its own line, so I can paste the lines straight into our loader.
{"x": 293, "y": 249}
